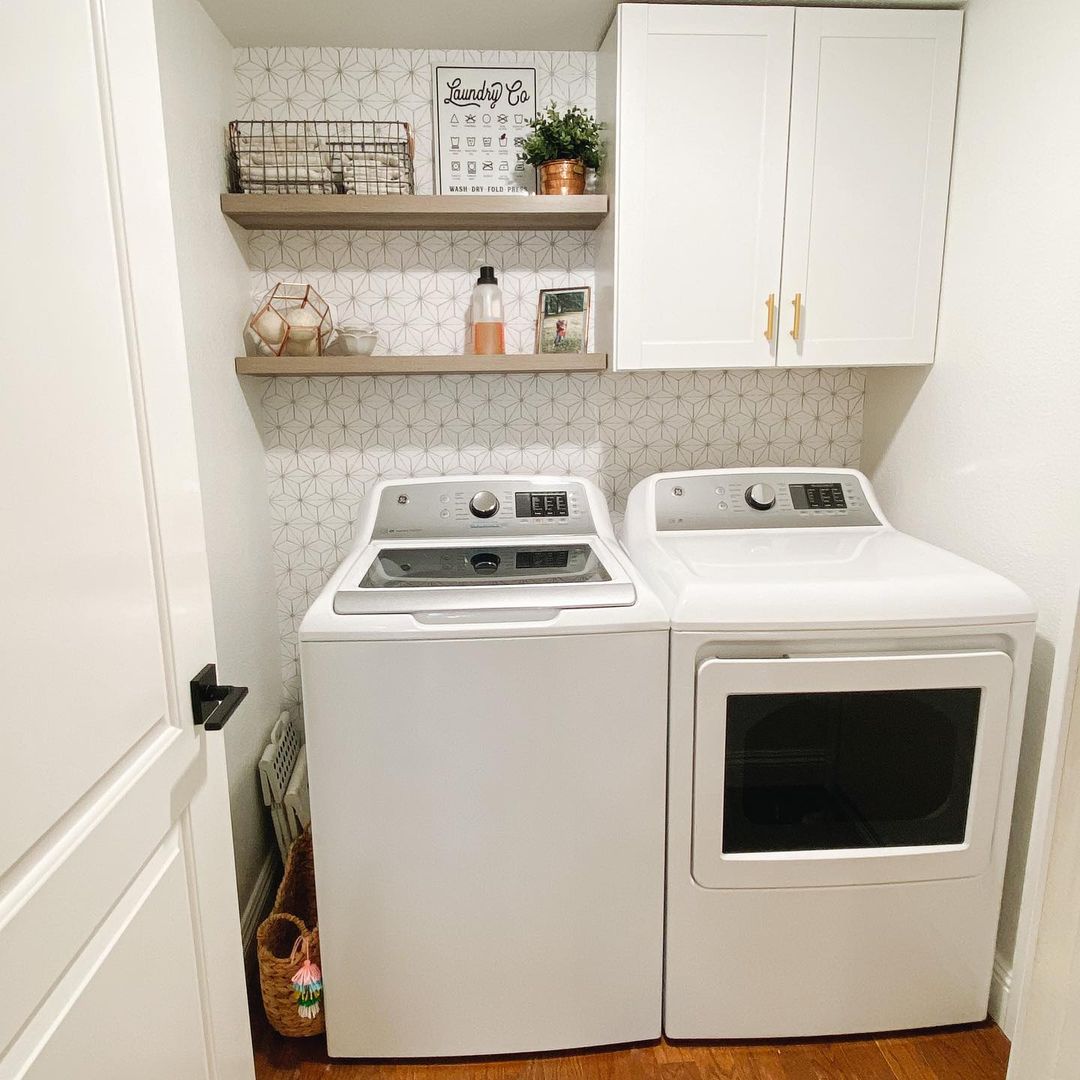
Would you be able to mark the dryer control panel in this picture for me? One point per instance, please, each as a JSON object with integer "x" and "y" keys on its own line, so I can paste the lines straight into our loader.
{"x": 507, "y": 505}
{"x": 752, "y": 499}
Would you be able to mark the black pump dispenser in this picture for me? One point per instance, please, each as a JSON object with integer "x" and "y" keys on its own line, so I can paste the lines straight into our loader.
{"x": 487, "y": 276}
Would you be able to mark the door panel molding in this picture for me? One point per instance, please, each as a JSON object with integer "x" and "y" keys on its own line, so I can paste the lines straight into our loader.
{"x": 37, "y": 1054}
{"x": 62, "y": 889}
{"x": 146, "y": 249}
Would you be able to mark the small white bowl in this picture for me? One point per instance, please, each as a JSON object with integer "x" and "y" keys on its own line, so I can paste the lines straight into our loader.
{"x": 357, "y": 340}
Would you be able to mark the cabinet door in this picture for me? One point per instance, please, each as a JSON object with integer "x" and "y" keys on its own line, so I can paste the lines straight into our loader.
{"x": 703, "y": 112}
{"x": 872, "y": 106}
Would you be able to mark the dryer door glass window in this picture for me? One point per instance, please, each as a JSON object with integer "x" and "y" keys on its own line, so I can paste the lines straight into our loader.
{"x": 853, "y": 769}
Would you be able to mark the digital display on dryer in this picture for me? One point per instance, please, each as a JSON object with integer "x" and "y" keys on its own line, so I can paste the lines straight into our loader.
{"x": 817, "y": 496}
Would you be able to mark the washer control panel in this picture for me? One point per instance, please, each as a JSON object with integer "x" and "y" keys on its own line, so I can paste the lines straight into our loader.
{"x": 510, "y": 505}
{"x": 756, "y": 500}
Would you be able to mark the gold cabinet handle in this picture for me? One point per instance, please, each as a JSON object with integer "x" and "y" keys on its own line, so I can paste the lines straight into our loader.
{"x": 770, "y": 307}
{"x": 796, "y": 326}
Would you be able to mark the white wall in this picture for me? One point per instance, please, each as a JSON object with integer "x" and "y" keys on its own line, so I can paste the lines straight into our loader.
{"x": 198, "y": 92}
{"x": 982, "y": 453}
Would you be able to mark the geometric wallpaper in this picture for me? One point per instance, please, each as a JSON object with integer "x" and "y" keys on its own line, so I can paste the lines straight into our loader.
{"x": 387, "y": 84}
{"x": 415, "y": 286}
{"x": 327, "y": 439}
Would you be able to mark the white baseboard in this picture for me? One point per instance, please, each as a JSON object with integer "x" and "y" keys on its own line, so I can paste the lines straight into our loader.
{"x": 258, "y": 902}
{"x": 1000, "y": 984}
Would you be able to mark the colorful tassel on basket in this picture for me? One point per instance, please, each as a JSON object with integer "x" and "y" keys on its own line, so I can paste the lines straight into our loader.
{"x": 307, "y": 982}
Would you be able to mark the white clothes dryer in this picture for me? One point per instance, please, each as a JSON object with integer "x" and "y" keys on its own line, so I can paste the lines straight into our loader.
{"x": 485, "y": 699}
{"x": 846, "y": 705}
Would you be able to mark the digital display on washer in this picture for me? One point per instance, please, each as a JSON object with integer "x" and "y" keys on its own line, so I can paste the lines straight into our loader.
{"x": 543, "y": 558}
{"x": 546, "y": 504}
{"x": 817, "y": 496}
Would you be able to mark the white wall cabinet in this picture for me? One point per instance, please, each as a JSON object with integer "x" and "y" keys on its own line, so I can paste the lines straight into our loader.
{"x": 779, "y": 180}
{"x": 701, "y": 124}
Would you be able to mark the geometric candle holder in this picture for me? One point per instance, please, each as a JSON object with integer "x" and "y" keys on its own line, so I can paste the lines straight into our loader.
{"x": 292, "y": 320}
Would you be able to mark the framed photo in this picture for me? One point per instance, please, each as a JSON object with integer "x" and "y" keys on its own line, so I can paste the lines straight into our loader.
{"x": 562, "y": 322}
{"x": 482, "y": 116}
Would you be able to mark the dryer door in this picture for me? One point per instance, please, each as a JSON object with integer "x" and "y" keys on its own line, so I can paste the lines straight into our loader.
{"x": 847, "y": 770}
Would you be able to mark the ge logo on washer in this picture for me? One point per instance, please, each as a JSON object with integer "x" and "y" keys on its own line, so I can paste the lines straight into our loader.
{"x": 403, "y": 500}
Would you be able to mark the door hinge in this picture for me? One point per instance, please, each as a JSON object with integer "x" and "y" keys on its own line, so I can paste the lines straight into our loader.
{"x": 211, "y": 703}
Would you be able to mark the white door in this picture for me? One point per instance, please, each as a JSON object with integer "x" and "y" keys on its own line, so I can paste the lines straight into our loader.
{"x": 118, "y": 910}
{"x": 847, "y": 770}
{"x": 701, "y": 160}
{"x": 872, "y": 106}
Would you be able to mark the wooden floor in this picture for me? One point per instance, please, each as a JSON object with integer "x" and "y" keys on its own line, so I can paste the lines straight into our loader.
{"x": 979, "y": 1052}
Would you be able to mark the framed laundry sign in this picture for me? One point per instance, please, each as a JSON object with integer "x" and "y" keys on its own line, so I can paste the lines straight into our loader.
{"x": 482, "y": 115}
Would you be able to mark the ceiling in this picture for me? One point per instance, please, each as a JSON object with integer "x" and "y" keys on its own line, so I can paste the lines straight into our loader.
{"x": 438, "y": 24}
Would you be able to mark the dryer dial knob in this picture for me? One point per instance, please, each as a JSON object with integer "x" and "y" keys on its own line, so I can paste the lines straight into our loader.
{"x": 484, "y": 504}
{"x": 761, "y": 497}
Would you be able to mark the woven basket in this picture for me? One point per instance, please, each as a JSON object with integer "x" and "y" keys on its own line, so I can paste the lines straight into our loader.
{"x": 294, "y": 912}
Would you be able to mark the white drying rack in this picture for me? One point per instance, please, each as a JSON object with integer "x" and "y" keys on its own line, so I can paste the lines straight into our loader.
{"x": 283, "y": 776}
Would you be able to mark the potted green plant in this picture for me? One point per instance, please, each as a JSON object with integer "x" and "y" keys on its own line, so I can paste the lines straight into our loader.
{"x": 562, "y": 146}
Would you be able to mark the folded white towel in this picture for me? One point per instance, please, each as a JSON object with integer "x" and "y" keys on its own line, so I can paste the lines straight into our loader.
{"x": 283, "y": 188}
{"x": 377, "y": 187}
{"x": 265, "y": 143}
{"x": 370, "y": 157}
{"x": 267, "y": 172}
{"x": 282, "y": 170}
{"x": 271, "y": 159}
{"x": 372, "y": 170}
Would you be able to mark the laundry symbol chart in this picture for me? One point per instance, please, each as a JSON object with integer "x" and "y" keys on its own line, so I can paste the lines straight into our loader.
{"x": 495, "y": 106}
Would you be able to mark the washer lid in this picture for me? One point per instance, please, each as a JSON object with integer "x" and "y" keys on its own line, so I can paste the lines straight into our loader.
{"x": 408, "y": 578}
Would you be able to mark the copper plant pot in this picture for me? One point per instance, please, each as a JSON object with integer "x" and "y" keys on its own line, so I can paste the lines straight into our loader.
{"x": 565, "y": 176}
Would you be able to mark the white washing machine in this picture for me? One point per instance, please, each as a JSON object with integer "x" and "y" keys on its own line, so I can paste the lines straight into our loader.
{"x": 485, "y": 698}
{"x": 845, "y": 716}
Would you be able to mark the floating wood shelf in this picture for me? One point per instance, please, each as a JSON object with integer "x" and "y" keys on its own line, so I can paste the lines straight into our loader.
{"x": 442, "y": 212}
{"x": 518, "y": 363}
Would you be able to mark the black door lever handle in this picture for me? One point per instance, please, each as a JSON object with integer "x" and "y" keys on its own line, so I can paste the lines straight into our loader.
{"x": 211, "y": 703}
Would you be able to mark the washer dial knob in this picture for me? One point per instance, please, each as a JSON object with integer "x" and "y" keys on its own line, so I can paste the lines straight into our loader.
{"x": 484, "y": 504}
{"x": 485, "y": 562}
{"x": 761, "y": 497}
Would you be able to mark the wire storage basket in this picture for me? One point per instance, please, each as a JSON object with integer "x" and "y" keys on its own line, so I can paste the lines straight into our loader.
{"x": 321, "y": 157}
